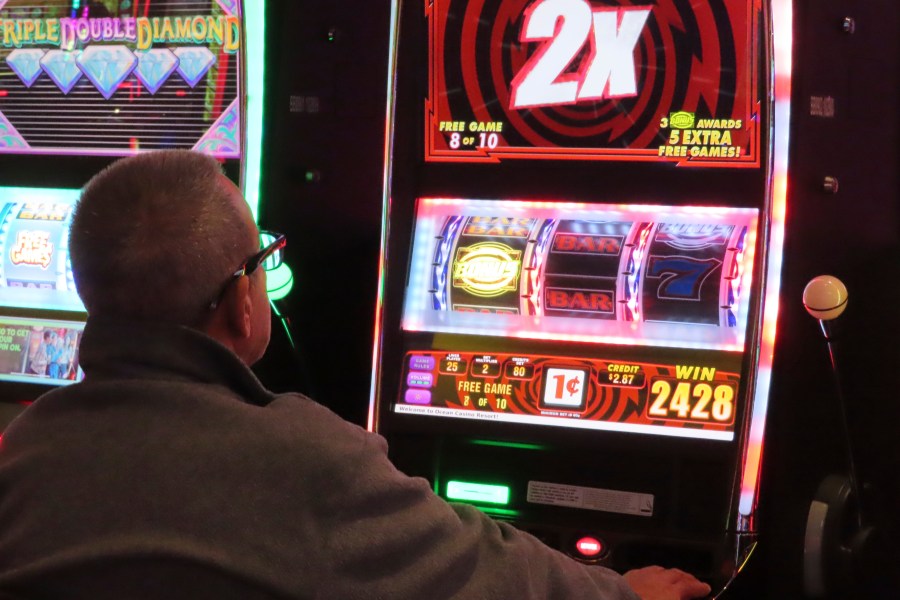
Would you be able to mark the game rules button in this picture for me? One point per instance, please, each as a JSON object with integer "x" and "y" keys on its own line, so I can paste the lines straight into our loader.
{"x": 418, "y": 397}
{"x": 421, "y": 363}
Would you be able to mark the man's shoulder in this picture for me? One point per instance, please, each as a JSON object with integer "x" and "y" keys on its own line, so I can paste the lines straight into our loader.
{"x": 298, "y": 417}
{"x": 180, "y": 408}
{"x": 289, "y": 437}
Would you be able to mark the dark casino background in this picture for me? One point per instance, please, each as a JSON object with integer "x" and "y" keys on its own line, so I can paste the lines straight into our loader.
{"x": 322, "y": 183}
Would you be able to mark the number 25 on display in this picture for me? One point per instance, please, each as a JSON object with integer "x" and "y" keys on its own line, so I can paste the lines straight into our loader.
{"x": 565, "y": 27}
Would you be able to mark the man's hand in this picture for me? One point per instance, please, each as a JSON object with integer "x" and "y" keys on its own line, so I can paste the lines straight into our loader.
{"x": 656, "y": 583}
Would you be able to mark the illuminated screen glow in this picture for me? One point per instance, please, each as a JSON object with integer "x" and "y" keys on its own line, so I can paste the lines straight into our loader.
{"x": 35, "y": 271}
{"x": 614, "y": 274}
{"x": 116, "y": 84}
{"x": 667, "y": 81}
{"x": 40, "y": 351}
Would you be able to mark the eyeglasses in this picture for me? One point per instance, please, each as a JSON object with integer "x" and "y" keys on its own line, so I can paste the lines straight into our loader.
{"x": 269, "y": 258}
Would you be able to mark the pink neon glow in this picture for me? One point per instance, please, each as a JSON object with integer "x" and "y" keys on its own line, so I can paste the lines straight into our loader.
{"x": 379, "y": 310}
{"x": 386, "y": 210}
{"x": 535, "y": 283}
{"x": 745, "y": 276}
{"x": 782, "y": 17}
{"x": 633, "y": 312}
{"x": 737, "y": 285}
{"x": 564, "y": 207}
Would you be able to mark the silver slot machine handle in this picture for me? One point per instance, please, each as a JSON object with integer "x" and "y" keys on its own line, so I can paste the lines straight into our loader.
{"x": 836, "y": 535}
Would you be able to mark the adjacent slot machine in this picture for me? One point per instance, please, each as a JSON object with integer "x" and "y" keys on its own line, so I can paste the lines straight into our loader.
{"x": 82, "y": 84}
{"x": 584, "y": 209}
{"x": 37, "y": 347}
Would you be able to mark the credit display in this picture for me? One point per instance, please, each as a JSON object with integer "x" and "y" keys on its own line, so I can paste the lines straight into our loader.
{"x": 663, "y": 81}
{"x": 91, "y": 80}
{"x": 35, "y": 271}
{"x": 645, "y": 275}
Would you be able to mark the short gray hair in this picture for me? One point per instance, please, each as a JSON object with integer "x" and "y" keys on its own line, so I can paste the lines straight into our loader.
{"x": 154, "y": 237}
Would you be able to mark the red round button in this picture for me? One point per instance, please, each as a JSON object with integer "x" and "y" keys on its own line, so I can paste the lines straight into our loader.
{"x": 589, "y": 547}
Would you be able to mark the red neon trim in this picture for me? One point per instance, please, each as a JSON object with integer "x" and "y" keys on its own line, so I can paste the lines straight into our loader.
{"x": 220, "y": 83}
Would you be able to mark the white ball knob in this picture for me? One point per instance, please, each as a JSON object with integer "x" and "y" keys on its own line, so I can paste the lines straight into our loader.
{"x": 825, "y": 297}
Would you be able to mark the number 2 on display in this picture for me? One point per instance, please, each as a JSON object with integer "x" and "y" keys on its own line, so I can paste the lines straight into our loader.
{"x": 565, "y": 27}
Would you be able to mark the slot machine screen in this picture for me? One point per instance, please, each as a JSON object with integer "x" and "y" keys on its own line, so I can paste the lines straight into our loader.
{"x": 95, "y": 81}
{"x": 668, "y": 81}
{"x": 40, "y": 351}
{"x": 36, "y": 281}
{"x": 666, "y": 282}
{"x": 35, "y": 271}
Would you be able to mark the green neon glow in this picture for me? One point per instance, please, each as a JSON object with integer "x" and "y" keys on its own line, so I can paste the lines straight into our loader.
{"x": 279, "y": 282}
{"x": 254, "y": 52}
{"x": 518, "y": 445}
{"x": 284, "y": 323}
{"x": 477, "y": 492}
{"x": 500, "y": 512}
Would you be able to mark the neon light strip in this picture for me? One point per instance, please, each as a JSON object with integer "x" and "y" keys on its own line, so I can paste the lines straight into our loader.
{"x": 782, "y": 22}
{"x": 386, "y": 207}
{"x": 548, "y": 209}
{"x": 499, "y": 512}
{"x": 499, "y": 444}
{"x": 439, "y": 411}
{"x": 565, "y": 329}
{"x": 254, "y": 67}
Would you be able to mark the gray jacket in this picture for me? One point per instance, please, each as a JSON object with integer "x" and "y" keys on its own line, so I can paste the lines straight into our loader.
{"x": 171, "y": 473}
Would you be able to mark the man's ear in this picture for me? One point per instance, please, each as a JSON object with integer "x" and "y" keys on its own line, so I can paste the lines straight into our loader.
{"x": 239, "y": 308}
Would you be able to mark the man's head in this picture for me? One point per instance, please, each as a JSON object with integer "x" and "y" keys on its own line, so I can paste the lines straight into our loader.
{"x": 155, "y": 238}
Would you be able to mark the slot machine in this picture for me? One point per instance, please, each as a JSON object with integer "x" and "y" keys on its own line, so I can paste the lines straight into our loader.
{"x": 584, "y": 215}
{"x": 82, "y": 84}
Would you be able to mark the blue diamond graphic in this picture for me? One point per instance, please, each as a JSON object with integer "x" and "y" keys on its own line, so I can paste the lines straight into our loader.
{"x": 62, "y": 67}
{"x": 194, "y": 62}
{"x": 107, "y": 66}
{"x": 26, "y": 63}
{"x": 154, "y": 67}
